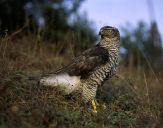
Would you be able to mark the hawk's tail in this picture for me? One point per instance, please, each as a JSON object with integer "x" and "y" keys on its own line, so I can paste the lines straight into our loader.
{"x": 34, "y": 78}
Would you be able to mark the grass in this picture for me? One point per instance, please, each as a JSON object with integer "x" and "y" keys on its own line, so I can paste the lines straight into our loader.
{"x": 134, "y": 100}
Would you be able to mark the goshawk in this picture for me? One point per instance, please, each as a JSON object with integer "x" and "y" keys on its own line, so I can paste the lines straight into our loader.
{"x": 89, "y": 70}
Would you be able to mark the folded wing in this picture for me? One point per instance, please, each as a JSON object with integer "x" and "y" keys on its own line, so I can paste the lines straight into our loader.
{"x": 87, "y": 62}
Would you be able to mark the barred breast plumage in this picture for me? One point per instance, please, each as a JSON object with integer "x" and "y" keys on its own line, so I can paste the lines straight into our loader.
{"x": 98, "y": 76}
{"x": 91, "y": 68}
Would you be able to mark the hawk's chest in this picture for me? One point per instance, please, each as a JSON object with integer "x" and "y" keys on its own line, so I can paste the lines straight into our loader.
{"x": 98, "y": 76}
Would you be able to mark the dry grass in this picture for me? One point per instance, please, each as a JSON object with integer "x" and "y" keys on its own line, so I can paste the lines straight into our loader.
{"x": 133, "y": 100}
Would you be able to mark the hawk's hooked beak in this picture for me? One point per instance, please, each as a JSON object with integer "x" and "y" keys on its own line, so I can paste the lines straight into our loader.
{"x": 100, "y": 32}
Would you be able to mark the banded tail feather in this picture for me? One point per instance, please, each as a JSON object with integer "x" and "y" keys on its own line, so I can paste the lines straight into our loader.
{"x": 36, "y": 78}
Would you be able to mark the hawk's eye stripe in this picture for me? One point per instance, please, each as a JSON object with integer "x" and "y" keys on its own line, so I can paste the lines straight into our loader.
{"x": 108, "y": 29}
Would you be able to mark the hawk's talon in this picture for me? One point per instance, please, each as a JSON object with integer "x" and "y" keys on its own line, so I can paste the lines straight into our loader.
{"x": 94, "y": 106}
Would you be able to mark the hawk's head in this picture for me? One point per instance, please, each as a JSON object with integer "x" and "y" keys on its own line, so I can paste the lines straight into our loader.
{"x": 109, "y": 32}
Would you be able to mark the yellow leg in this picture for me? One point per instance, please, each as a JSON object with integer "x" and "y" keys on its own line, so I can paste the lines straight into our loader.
{"x": 94, "y": 106}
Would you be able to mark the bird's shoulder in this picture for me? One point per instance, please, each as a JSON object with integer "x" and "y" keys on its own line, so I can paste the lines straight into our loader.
{"x": 88, "y": 61}
{"x": 97, "y": 50}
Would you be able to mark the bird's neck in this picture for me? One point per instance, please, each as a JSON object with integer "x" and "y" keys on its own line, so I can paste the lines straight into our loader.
{"x": 110, "y": 44}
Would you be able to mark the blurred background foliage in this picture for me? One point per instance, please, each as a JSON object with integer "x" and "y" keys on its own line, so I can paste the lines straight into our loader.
{"x": 55, "y": 21}
{"x": 59, "y": 22}
{"x": 142, "y": 46}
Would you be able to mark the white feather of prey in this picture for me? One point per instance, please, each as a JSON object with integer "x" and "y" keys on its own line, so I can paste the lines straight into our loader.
{"x": 64, "y": 82}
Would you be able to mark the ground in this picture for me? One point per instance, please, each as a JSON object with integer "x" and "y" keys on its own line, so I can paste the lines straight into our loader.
{"x": 133, "y": 100}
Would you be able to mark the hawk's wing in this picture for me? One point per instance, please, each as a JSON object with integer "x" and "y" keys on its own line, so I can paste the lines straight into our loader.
{"x": 87, "y": 61}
